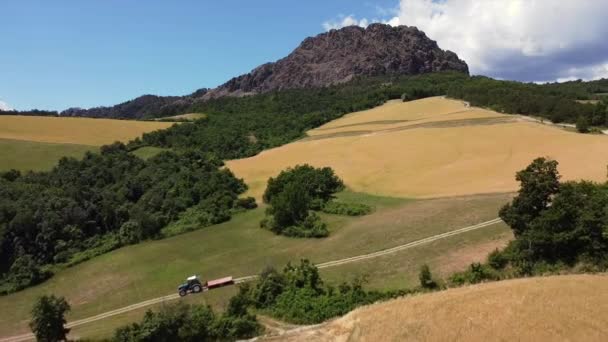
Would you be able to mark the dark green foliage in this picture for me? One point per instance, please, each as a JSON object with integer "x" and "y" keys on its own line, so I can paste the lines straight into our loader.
{"x": 316, "y": 183}
{"x": 582, "y": 125}
{"x": 476, "y": 273}
{"x": 293, "y": 194}
{"x": 33, "y": 112}
{"x": 539, "y": 182}
{"x": 183, "y": 322}
{"x": 556, "y": 225}
{"x": 299, "y": 295}
{"x": 497, "y": 260}
{"x": 48, "y": 319}
{"x": 87, "y": 207}
{"x": 426, "y": 278}
{"x": 555, "y": 101}
{"x": 246, "y": 203}
{"x": 346, "y": 208}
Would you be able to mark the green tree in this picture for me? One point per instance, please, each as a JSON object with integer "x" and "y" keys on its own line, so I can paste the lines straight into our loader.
{"x": 48, "y": 319}
{"x": 582, "y": 124}
{"x": 290, "y": 206}
{"x": 539, "y": 183}
{"x": 426, "y": 278}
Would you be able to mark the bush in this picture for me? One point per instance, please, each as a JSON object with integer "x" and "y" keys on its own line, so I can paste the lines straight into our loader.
{"x": 344, "y": 208}
{"x": 497, "y": 260}
{"x": 246, "y": 203}
{"x": 582, "y": 125}
{"x": 298, "y": 295}
{"x": 476, "y": 273}
{"x": 426, "y": 278}
{"x": 181, "y": 322}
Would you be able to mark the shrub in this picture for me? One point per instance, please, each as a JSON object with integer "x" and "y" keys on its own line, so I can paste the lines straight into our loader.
{"x": 344, "y": 208}
{"x": 426, "y": 278}
{"x": 497, "y": 260}
{"x": 476, "y": 273}
{"x": 582, "y": 125}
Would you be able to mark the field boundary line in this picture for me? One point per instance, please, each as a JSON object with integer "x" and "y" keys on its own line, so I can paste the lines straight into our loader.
{"x": 28, "y": 337}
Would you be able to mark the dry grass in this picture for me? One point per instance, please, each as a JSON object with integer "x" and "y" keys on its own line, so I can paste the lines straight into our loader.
{"x": 82, "y": 131}
{"x": 558, "y": 308}
{"x": 449, "y": 149}
{"x": 189, "y": 116}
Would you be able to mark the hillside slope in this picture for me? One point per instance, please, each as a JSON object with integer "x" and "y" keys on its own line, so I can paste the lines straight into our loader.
{"x": 558, "y": 308}
{"x": 430, "y": 148}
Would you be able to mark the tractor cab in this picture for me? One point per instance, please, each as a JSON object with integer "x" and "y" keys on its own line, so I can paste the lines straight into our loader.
{"x": 192, "y": 285}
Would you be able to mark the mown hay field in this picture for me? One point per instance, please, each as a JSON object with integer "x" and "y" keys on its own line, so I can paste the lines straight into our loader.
{"x": 82, "y": 131}
{"x": 430, "y": 148}
{"x": 557, "y": 308}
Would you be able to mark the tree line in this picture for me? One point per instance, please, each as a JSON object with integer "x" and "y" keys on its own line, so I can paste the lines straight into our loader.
{"x": 86, "y": 207}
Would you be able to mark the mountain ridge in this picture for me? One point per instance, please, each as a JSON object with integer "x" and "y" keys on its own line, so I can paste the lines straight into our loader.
{"x": 329, "y": 58}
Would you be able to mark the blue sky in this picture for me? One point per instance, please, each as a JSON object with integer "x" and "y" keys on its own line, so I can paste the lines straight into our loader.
{"x": 56, "y": 54}
{"x": 59, "y": 54}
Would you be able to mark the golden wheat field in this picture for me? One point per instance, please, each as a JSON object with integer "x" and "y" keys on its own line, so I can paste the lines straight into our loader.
{"x": 82, "y": 131}
{"x": 430, "y": 148}
{"x": 557, "y": 308}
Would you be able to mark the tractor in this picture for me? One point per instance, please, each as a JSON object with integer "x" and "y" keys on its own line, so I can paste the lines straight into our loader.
{"x": 194, "y": 285}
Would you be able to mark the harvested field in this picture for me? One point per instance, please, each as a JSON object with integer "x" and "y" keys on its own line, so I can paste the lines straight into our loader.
{"x": 430, "y": 148}
{"x": 83, "y": 131}
{"x": 558, "y": 308}
{"x": 181, "y": 117}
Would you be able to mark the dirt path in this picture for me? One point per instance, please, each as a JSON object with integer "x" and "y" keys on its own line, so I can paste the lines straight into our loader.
{"x": 28, "y": 337}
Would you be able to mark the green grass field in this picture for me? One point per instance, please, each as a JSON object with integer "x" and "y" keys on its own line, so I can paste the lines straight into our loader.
{"x": 40, "y": 156}
{"x": 148, "y": 152}
{"x": 239, "y": 247}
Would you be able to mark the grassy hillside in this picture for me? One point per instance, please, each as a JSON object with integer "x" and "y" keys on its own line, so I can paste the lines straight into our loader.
{"x": 82, "y": 131}
{"x": 37, "y": 142}
{"x": 429, "y": 148}
{"x": 30, "y": 155}
{"x": 558, "y": 308}
{"x": 239, "y": 247}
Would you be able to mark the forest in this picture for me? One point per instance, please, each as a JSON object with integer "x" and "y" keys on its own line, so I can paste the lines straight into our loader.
{"x": 87, "y": 207}
{"x": 242, "y": 127}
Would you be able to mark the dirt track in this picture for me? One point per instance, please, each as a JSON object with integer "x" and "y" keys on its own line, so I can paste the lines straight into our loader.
{"x": 28, "y": 337}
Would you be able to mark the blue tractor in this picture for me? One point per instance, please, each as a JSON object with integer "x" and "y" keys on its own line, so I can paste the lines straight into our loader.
{"x": 192, "y": 285}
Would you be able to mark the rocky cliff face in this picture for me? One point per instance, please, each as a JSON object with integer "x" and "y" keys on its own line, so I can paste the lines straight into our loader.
{"x": 339, "y": 55}
{"x": 328, "y": 58}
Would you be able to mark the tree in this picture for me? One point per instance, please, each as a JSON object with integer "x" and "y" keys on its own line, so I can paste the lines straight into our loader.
{"x": 318, "y": 183}
{"x": 290, "y": 206}
{"x": 539, "y": 183}
{"x": 426, "y": 278}
{"x": 48, "y": 319}
{"x": 582, "y": 124}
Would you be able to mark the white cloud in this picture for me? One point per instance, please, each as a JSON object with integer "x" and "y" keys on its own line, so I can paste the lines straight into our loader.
{"x": 512, "y": 39}
{"x": 4, "y": 106}
{"x": 517, "y": 39}
{"x": 343, "y": 21}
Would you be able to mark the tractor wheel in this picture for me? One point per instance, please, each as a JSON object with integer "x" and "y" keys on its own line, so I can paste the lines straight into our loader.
{"x": 196, "y": 288}
{"x": 182, "y": 293}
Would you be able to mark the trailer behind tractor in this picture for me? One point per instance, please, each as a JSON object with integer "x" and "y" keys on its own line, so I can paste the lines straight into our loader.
{"x": 194, "y": 285}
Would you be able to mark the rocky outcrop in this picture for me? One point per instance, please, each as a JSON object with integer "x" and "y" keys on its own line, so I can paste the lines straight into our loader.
{"x": 339, "y": 55}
